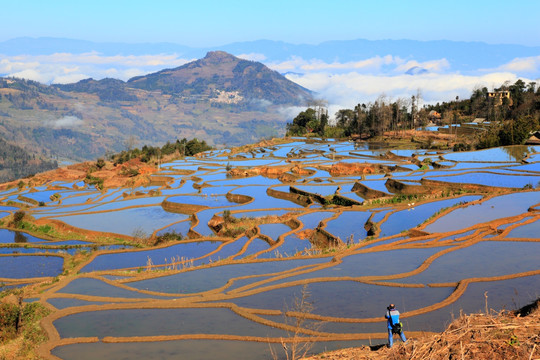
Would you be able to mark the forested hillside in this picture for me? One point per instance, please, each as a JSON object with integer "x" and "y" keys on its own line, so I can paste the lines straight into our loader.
{"x": 508, "y": 115}
{"x": 16, "y": 163}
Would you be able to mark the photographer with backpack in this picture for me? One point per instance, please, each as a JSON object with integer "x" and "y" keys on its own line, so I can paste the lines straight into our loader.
{"x": 394, "y": 326}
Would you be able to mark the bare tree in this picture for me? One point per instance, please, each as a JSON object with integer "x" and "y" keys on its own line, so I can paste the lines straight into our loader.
{"x": 383, "y": 113}
{"x": 130, "y": 142}
{"x": 320, "y": 106}
{"x": 299, "y": 345}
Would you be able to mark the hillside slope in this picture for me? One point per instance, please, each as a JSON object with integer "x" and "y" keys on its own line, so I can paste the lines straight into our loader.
{"x": 220, "y": 99}
{"x": 507, "y": 335}
{"x": 220, "y": 71}
{"x": 16, "y": 162}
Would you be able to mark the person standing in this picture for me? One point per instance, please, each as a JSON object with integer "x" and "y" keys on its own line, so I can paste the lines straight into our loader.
{"x": 394, "y": 326}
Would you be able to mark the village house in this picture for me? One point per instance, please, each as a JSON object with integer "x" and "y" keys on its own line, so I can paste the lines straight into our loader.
{"x": 498, "y": 97}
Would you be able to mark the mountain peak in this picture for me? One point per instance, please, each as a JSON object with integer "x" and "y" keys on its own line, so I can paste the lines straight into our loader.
{"x": 219, "y": 56}
{"x": 220, "y": 72}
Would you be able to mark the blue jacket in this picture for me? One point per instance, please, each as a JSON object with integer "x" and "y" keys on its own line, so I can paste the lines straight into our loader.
{"x": 394, "y": 314}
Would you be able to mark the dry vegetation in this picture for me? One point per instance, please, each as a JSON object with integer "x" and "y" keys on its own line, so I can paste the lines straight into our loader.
{"x": 504, "y": 335}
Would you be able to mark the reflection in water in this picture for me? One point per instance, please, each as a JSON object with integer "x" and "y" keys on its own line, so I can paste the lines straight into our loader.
{"x": 196, "y": 287}
{"x": 518, "y": 152}
{"x": 20, "y": 237}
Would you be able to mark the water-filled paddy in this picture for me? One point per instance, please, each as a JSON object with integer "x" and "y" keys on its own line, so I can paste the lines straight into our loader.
{"x": 530, "y": 230}
{"x": 125, "y": 221}
{"x": 212, "y": 200}
{"x": 230, "y": 249}
{"x": 321, "y": 189}
{"x": 292, "y": 245}
{"x": 507, "y": 153}
{"x": 504, "y": 294}
{"x": 208, "y": 279}
{"x": 312, "y": 220}
{"x": 255, "y": 246}
{"x": 349, "y": 223}
{"x": 484, "y": 259}
{"x": 274, "y": 230}
{"x": 370, "y": 264}
{"x": 255, "y": 273}
{"x": 62, "y": 303}
{"x": 346, "y": 298}
{"x": 489, "y": 210}
{"x": 9, "y": 236}
{"x": 134, "y": 259}
{"x": 417, "y": 214}
{"x": 188, "y": 349}
{"x": 262, "y": 200}
{"x": 95, "y": 287}
{"x": 151, "y": 322}
{"x": 21, "y": 267}
{"x": 490, "y": 179}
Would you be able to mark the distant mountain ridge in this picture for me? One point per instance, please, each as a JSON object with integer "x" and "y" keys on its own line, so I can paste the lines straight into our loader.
{"x": 218, "y": 73}
{"x": 463, "y": 56}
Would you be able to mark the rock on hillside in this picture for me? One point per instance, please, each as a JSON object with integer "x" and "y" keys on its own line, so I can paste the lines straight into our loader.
{"x": 219, "y": 72}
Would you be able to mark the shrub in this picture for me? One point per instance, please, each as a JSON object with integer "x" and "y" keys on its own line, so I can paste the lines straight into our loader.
{"x": 18, "y": 218}
{"x": 129, "y": 172}
{"x": 100, "y": 163}
{"x": 169, "y": 236}
{"x": 461, "y": 147}
{"x": 92, "y": 180}
{"x": 9, "y": 316}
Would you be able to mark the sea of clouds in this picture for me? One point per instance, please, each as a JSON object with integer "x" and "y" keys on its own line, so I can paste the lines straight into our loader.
{"x": 342, "y": 84}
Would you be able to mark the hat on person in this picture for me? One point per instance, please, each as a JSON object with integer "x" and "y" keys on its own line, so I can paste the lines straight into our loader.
{"x": 391, "y": 306}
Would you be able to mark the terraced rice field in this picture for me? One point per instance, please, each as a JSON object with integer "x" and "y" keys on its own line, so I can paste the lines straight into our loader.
{"x": 433, "y": 236}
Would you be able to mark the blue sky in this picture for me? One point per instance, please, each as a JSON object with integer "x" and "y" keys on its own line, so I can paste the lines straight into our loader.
{"x": 212, "y": 23}
{"x": 343, "y": 82}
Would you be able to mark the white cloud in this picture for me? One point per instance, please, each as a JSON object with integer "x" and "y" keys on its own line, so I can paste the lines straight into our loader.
{"x": 439, "y": 65}
{"x": 252, "y": 56}
{"x": 32, "y": 74}
{"x": 343, "y": 84}
{"x": 290, "y": 112}
{"x": 528, "y": 65}
{"x": 66, "y": 121}
{"x": 373, "y": 65}
{"x": 67, "y": 79}
{"x": 66, "y": 67}
{"x": 347, "y": 90}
